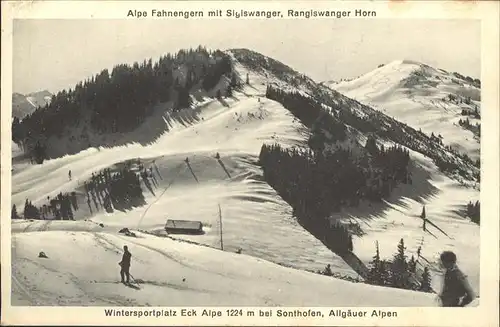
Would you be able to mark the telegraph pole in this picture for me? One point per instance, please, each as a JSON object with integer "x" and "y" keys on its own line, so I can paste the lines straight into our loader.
{"x": 220, "y": 222}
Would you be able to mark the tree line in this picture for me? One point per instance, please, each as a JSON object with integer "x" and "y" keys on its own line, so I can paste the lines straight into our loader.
{"x": 474, "y": 113}
{"x": 430, "y": 146}
{"x": 476, "y": 129}
{"x": 316, "y": 182}
{"x": 120, "y": 190}
{"x": 474, "y": 211}
{"x": 120, "y": 100}
{"x": 312, "y": 114}
{"x": 106, "y": 189}
{"x": 60, "y": 207}
{"x": 474, "y": 81}
{"x": 399, "y": 272}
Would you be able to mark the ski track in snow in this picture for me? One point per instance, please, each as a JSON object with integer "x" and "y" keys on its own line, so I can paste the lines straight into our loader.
{"x": 217, "y": 278}
{"x": 83, "y": 255}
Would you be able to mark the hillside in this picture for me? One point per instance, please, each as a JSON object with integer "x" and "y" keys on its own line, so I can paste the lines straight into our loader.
{"x": 22, "y": 105}
{"x": 236, "y": 132}
{"x": 258, "y": 220}
{"x": 446, "y": 193}
{"x": 426, "y": 98}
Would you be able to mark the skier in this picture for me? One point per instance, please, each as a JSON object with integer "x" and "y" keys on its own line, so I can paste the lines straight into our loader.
{"x": 456, "y": 290}
{"x": 125, "y": 265}
{"x": 69, "y": 175}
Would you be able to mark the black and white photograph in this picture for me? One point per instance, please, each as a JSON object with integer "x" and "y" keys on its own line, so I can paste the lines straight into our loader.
{"x": 308, "y": 162}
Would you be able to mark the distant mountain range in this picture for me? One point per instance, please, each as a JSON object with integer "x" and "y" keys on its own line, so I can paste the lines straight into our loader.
{"x": 23, "y": 105}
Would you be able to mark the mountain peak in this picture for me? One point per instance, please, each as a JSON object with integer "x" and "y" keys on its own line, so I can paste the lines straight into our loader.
{"x": 430, "y": 99}
{"x": 406, "y": 64}
{"x": 40, "y": 93}
{"x": 23, "y": 105}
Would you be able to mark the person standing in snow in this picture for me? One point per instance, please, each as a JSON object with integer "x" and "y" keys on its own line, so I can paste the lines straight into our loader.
{"x": 328, "y": 270}
{"x": 69, "y": 175}
{"x": 125, "y": 265}
{"x": 456, "y": 290}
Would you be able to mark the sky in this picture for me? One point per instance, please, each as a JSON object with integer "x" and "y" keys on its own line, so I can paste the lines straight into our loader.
{"x": 56, "y": 54}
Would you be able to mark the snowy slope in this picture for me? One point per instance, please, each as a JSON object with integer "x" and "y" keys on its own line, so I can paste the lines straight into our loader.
{"x": 445, "y": 198}
{"x": 399, "y": 217}
{"x": 81, "y": 268}
{"x": 416, "y": 94}
{"x": 255, "y": 219}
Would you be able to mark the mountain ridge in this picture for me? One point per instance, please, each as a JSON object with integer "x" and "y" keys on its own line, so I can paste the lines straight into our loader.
{"x": 23, "y": 105}
{"x": 355, "y": 111}
{"x": 429, "y": 99}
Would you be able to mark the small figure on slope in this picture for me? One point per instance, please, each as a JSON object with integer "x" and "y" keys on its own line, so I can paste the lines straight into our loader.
{"x": 125, "y": 265}
{"x": 327, "y": 271}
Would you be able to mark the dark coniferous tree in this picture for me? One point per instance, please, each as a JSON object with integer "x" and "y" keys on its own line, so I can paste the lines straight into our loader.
{"x": 371, "y": 146}
{"x": 374, "y": 275}
{"x": 399, "y": 268}
{"x": 14, "y": 214}
{"x": 474, "y": 211}
{"x": 425, "y": 284}
{"x": 412, "y": 265}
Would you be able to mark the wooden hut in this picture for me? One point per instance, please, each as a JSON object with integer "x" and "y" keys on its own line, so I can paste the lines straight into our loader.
{"x": 183, "y": 227}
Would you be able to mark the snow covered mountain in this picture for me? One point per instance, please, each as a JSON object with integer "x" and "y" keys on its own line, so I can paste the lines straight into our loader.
{"x": 426, "y": 98}
{"x": 259, "y": 229}
{"x": 23, "y": 105}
